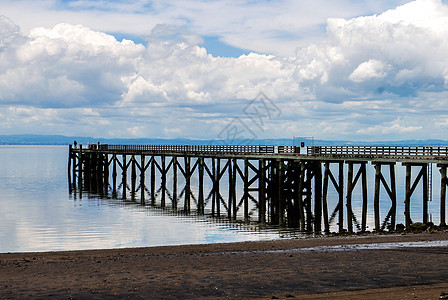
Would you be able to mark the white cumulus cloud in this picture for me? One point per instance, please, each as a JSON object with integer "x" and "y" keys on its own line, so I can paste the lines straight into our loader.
{"x": 367, "y": 72}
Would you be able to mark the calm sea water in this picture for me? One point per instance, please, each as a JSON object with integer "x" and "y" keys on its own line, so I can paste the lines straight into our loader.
{"x": 38, "y": 213}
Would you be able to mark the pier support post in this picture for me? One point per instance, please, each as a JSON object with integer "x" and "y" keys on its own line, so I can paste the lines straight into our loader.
{"x": 124, "y": 177}
{"x": 80, "y": 171}
{"x": 174, "y": 204}
{"x": 273, "y": 192}
{"x": 407, "y": 201}
{"x": 341, "y": 196}
{"x": 443, "y": 184}
{"x": 425, "y": 193}
{"x": 70, "y": 168}
{"x": 217, "y": 189}
{"x": 300, "y": 195}
{"x": 133, "y": 177}
{"x": 74, "y": 164}
{"x": 317, "y": 197}
{"x": 324, "y": 196}
{"x": 280, "y": 198}
{"x": 214, "y": 198}
{"x": 142, "y": 179}
{"x": 246, "y": 190}
{"x": 163, "y": 179}
{"x": 187, "y": 205}
{"x": 261, "y": 191}
{"x": 114, "y": 176}
{"x": 364, "y": 197}
{"x": 376, "y": 199}
{"x": 201, "y": 186}
{"x": 100, "y": 172}
{"x": 350, "y": 186}
{"x": 153, "y": 180}
{"x": 234, "y": 175}
{"x": 106, "y": 164}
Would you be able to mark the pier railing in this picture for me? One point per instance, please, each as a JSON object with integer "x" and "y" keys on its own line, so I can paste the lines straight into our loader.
{"x": 339, "y": 151}
{"x": 378, "y": 151}
{"x": 193, "y": 148}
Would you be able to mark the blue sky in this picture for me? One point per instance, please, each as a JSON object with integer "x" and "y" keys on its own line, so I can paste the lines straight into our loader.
{"x": 335, "y": 69}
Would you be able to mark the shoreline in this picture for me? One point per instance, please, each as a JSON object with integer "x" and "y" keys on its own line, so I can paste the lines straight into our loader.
{"x": 278, "y": 244}
{"x": 233, "y": 270}
{"x": 331, "y": 239}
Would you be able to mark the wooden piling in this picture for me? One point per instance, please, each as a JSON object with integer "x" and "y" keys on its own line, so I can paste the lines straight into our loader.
{"x": 80, "y": 171}
{"x": 114, "y": 176}
{"x": 124, "y": 177}
{"x": 273, "y": 192}
{"x": 133, "y": 177}
{"x": 201, "y": 186}
{"x": 142, "y": 179}
{"x": 153, "y": 180}
{"x": 317, "y": 197}
{"x": 187, "y": 204}
{"x": 425, "y": 193}
{"x": 324, "y": 197}
{"x": 280, "y": 199}
{"x": 261, "y": 191}
{"x": 443, "y": 184}
{"x": 214, "y": 197}
{"x": 231, "y": 187}
{"x": 106, "y": 163}
{"x": 341, "y": 196}
{"x": 246, "y": 190}
{"x": 217, "y": 189}
{"x": 174, "y": 204}
{"x": 163, "y": 180}
{"x": 393, "y": 197}
{"x": 407, "y": 201}
{"x": 234, "y": 186}
{"x": 376, "y": 200}
{"x": 364, "y": 197}
{"x": 350, "y": 186}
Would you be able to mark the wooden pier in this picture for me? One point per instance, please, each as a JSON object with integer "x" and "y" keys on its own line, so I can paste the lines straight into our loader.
{"x": 281, "y": 185}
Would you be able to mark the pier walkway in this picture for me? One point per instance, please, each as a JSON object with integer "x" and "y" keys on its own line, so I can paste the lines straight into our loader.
{"x": 282, "y": 185}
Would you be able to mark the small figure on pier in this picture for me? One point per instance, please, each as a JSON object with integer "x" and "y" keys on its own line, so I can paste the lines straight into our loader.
{"x": 75, "y": 143}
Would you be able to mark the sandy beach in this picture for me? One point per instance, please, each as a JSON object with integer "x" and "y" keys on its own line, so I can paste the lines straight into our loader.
{"x": 278, "y": 269}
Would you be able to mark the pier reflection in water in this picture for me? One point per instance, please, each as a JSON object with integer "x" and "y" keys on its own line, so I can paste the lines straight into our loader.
{"x": 159, "y": 226}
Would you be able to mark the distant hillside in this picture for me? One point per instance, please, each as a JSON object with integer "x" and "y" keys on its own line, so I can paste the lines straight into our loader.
{"x": 30, "y": 139}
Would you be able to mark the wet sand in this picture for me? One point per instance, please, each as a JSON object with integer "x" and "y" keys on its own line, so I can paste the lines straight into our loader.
{"x": 237, "y": 271}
